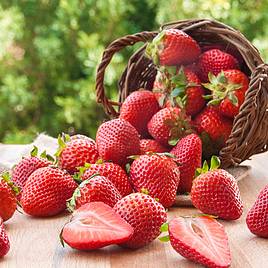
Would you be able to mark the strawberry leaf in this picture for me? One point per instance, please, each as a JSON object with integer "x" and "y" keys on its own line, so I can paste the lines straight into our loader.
{"x": 214, "y": 162}
{"x": 164, "y": 227}
{"x": 164, "y": 238}
{"x": 34, "y": 151}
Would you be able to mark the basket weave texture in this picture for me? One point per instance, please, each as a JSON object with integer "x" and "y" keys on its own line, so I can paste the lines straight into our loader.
{"x": 249, "y": 135}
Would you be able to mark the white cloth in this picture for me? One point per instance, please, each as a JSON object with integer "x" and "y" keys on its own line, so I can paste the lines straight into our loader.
{"x": 11, "y": 154}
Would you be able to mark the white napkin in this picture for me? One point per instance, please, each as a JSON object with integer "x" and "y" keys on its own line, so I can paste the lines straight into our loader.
{"x": 11, "y": 154}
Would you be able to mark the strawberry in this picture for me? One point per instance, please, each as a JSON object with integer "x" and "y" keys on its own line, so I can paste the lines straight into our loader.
{"x": 257, "y": 216}
{"x": 168, "y": 125}
{"x": 173, "y": 47}
{"x": 216, "y": 192}
{"x": 80, "y": 136}
{"x": 46, "y": 191}
{"x": 94, "y": 189}
{"x": 214, "y": 130}
{"x": 95, "y": 225}
{"x": 144, "y": 214}
{"x": 113, "y": 173}
{"x": 215, "y": 61}
{"x": 116, "y": 140}
{"x": 75, "y": 153}
{"x": 8, "y": 201}
{"x": 157, "y": 174}
{"x": 188, "y": 152}
{"x": 200, "y": 239}
{"x": 22, "y": 171}
{"x": 150, "y": 145}
{"x": 181, "y": 87}
{"x": 228, "y": 91}
{"x": 4, "y": 241}
{"x": 138, "y": 108}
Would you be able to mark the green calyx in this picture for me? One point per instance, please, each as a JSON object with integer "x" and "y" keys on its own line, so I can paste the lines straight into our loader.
{"x": 7, "y": 178}
{"x": 34, "y": 153}
{"x": 71, "y": 203}
{"x": 179, "y": 127}
{"x": 175, "y": 84}
{"x": 155, "y": 47}
{"x": 81, "y": 170}
{"x": 214, "y": 164}
{"x": 62, "y": 140}
{"x": 221, "y": 88}
{"x": 164, "y": 229}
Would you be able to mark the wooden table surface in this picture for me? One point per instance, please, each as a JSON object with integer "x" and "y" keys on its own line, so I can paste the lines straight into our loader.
{"x": 35, "y": 242}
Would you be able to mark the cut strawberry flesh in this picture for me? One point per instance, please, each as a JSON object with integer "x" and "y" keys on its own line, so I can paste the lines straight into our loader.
{"x": 95, "y": 225}
{"x": 201, "y": 239}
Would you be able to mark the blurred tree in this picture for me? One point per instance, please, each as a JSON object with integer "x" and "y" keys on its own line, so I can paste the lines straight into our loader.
{"x": 50, "y": 49}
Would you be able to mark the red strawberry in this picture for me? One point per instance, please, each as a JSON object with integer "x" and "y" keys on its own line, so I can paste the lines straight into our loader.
{"x": 214, "y": 61}
{"x": 8, "y": 201}
{"x": 4, "y": 241}
{"x": 76, "y": 153}
{"x": 257, "y": 216}
{"x": 144, "y": 214}
{"x": 116, "y": 140}
{"x": 216, "y": 192}
{"x": 95, "y": 225}
{"x": 158, "y": 174}
{"x": 26, "y": 167}
{"x": 80, "y": 136}
{"x": 113, "y": 173}
{"x": 46, "y": 191}
{"x": 228, "y": 91}
{"x": 138, "y": 108}
{"x": 94, "y": 189}
{"x": 149, "y": 145}
{"x": 181, "y": 87}
{"x": 173, "y": 47}
{"x": 214, "y": 129}
{"x": 188, "y": 152}
{"x": 200, "y": 239}
{"x": 163, "y": 99}
{"x": 168, "y": 125}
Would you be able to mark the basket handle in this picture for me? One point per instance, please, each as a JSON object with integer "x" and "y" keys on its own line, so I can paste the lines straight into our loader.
{"x": 117, "y": 45}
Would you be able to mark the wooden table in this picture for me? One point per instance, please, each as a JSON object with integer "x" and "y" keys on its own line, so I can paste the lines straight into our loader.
{"x": 35, "y": 242}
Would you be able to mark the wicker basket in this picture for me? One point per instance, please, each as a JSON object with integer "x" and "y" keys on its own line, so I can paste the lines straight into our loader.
{"x": 250, "y": 129}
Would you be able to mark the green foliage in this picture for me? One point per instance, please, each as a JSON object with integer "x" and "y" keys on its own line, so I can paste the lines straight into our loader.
{"x": 49, "y": 52}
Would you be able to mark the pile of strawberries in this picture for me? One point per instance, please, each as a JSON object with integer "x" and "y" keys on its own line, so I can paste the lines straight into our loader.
{"x": 119, "y": 187}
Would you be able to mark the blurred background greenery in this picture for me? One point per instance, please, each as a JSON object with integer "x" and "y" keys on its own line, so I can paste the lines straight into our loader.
{"x": 50, "y": 49}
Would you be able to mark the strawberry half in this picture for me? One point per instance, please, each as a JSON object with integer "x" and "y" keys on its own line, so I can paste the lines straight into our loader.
{"x": 95, "y": 225}
{"x": 200, "y": 239}
{"x": 257, "y": 220}
{"x": 173, "y": 47}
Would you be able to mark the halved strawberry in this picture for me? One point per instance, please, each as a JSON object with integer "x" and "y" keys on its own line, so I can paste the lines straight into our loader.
{"x": 95, "y": 225}
{"x": 200, "y": 239}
